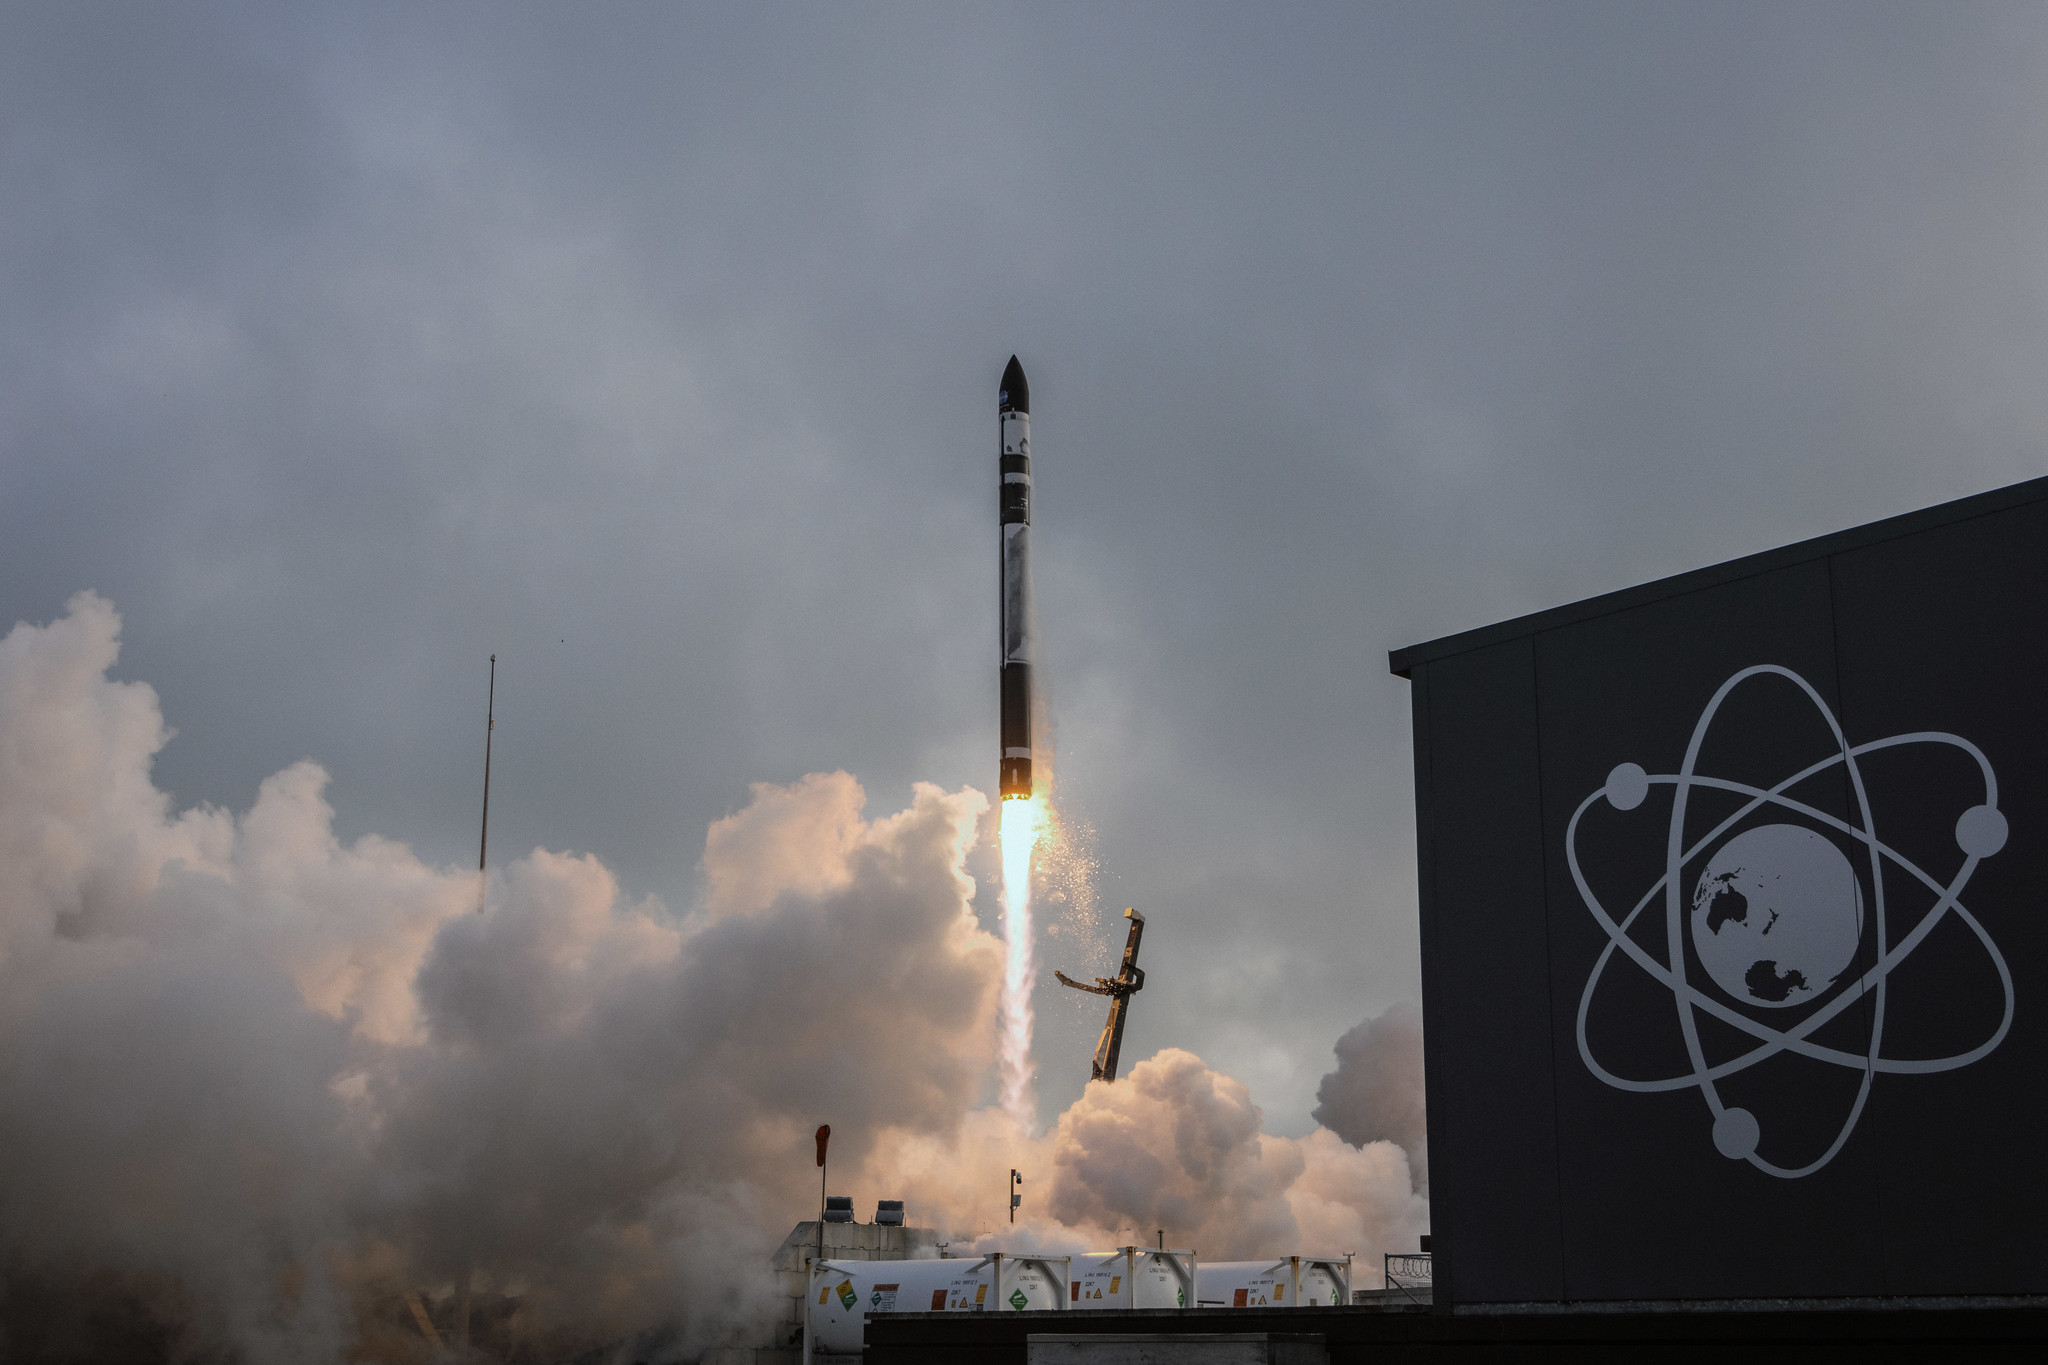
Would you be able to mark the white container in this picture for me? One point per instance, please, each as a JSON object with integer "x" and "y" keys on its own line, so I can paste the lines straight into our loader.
{"x": 1282, "y": 1282}
{"x": 1133, "y": 1277}
{"x": 1244, "y": 1284}
{"x": 1322, "y": 1282}
{"x": 843, "y": 1293}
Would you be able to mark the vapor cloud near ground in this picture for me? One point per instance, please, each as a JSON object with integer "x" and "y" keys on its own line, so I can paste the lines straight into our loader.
{"x": 1375, "y": 1094}
{"x": 262, "y": 1082}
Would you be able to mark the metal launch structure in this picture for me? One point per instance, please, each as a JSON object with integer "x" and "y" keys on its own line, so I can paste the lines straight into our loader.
{"x": 1127, "y": 982}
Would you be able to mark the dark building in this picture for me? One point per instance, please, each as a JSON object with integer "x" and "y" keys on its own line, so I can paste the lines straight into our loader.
{"x": 1734, "y": 899}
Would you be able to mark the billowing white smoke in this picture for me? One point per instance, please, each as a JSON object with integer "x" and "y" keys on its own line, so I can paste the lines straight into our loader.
{"x": 1174, "y": 1148}
{"x": 1178, "y": 1149}
{"x": 257, "y": 1082}
{"x": 1375, "y": 1094}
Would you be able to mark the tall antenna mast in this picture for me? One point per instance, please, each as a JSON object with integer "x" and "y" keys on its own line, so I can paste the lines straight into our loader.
{"x": 483, "y": 842}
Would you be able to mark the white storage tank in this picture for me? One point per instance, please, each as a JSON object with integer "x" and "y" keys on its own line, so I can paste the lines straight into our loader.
{"x": 843, "y": 1293}
{"x": 1244, "y": 1284}
{"x": 1322, "y": 1282}
{"x": 1133, "y": 1277}
{"x": 1277, "y": 1282}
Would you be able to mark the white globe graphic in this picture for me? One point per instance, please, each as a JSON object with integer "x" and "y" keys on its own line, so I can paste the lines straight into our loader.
{"x": 1776, "y": 919}
{"x": 1777, "y": 915}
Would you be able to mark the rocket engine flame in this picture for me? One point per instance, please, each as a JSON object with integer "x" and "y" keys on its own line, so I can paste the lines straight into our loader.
{"x": 1021, "y": 821}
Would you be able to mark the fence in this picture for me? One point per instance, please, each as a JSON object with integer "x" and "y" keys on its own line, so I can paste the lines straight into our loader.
{"x": 1409, "y": 1270}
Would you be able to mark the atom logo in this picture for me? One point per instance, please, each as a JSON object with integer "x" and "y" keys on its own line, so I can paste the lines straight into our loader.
{"x": 1776, "y": 916}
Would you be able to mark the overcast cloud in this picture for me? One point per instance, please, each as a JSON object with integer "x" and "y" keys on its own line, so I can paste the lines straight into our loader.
{"x": 654, "y": 348}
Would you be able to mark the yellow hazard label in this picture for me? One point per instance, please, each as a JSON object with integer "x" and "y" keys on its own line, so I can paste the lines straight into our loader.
{"x": 846, "y": 1294}
{"x": 824, "y": 1294}
{"x": 981, "y": 1293}
{"x": 1279, "y": 1292}
{"x": 1115, "y": 1281}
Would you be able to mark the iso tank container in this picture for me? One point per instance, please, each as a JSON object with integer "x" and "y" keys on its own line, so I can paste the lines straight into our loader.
{"x": 1282, "y": 1282}
{"x": 1133, "y": 1277}
{"x": 1323, "y": 1282}
{"x": 843, "y": 1293}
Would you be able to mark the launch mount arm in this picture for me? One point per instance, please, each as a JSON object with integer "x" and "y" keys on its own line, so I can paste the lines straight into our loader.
{"x": 1128, "y": 981}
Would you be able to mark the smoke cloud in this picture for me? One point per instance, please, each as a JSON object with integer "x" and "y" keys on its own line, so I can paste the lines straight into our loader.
{"x": 1375, "y": 1094}
{"x": 257, "y": 1086}
{"x": 1177, "y": 1147}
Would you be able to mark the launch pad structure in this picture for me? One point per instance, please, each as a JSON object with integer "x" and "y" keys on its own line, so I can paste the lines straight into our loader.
{"x": 1128, "y": 981}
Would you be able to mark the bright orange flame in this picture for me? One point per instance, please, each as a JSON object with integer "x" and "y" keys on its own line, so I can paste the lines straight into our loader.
{"x": 1021, "y": 820}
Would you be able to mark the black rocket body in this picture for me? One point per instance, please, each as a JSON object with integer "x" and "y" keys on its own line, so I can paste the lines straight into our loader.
{"x": 1013, "y": 408}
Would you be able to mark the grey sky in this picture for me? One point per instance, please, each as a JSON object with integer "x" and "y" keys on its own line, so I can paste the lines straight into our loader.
{"x": 655, "y": 348}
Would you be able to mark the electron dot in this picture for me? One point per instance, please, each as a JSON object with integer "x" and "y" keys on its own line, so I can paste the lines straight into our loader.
{"x": 1981, "y": 831}
{"x": 1736, "y": 1133}
{"x": 1627, "y": 785}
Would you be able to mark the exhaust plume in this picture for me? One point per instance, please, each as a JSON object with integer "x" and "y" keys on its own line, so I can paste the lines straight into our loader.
{"x": 1018, "y": 833}
{"x": 262, "y": 1090}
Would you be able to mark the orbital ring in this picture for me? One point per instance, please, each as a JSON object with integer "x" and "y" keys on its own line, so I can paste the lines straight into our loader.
{"x": 1980, "y": 833}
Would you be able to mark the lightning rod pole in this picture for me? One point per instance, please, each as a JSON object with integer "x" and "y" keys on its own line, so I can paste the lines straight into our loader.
{"x": 483, "y": 842}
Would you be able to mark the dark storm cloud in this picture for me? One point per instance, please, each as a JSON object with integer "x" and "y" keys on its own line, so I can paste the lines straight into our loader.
{"x": 654, "y": 348}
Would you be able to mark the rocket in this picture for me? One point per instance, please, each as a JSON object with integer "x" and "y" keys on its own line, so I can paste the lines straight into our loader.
{"x": 1013, "y": 407}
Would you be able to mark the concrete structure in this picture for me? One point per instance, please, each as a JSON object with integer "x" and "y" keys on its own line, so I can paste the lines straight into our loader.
{"x": 1745, "y": 1330}
{"x": 1206, "y": 1348}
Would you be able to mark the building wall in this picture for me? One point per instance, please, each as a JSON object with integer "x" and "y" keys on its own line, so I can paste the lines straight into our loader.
{"x": 1612, "y": 1120}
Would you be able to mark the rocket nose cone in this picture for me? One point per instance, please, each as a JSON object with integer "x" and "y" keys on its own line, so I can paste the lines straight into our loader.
{"x": 1016, "y": 394}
